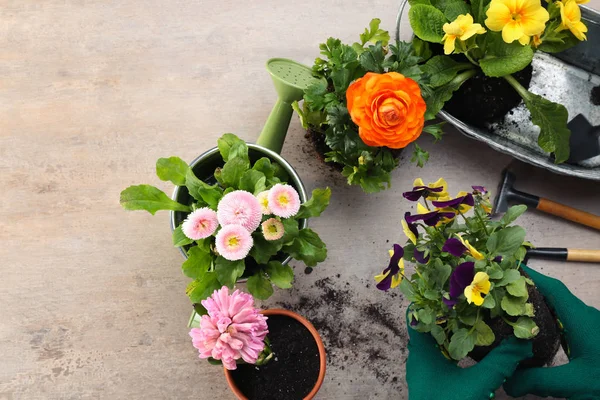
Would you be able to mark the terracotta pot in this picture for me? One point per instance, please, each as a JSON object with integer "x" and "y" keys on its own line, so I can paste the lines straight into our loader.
{"x": 316, "y": 337}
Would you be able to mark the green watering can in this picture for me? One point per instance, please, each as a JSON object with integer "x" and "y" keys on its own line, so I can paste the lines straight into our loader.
{"x": 290, "y": 79}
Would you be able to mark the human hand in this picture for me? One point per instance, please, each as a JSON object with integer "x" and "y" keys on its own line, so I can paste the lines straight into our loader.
{"x": 431, "y": 376}
{"x": 580, "y": 378}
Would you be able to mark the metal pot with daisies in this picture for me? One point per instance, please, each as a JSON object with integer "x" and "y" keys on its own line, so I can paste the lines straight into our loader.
{"x": 239, "y": 210}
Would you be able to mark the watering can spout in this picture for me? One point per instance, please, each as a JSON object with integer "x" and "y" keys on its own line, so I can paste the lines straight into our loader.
{"x": 290, "y": 80}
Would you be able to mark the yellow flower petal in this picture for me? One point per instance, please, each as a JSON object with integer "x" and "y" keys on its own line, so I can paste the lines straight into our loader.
{"x": 498, "y": 15}
{"x": 449, "y": 44}
{"x": 380, "y": 277}
{"x": 524, "y": 40}
{"x": 474, "y": 29}
{"x": 481, "y": 284}
{"x": 443, "y": 184}
{"x": 418, "y": 182}
{"x": 421, "y": 209}
{"x": 409, "y": 234}
{"x": 512, "y": 31}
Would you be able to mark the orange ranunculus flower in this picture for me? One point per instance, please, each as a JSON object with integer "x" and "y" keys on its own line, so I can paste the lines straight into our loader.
{"x": 388, "y": 109}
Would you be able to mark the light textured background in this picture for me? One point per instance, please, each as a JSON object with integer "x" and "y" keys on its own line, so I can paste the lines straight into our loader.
{"x": 92, "y": 92}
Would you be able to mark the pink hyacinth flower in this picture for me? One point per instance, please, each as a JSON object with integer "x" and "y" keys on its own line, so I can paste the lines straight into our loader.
{"x": 239, "y": 208}
{"x": 234, "y": 242}
{"x": 233, "y": 329}
{"x": 200, "y": 224}
{"x": 273, "y": 229}
{"x": 284, "y": 201}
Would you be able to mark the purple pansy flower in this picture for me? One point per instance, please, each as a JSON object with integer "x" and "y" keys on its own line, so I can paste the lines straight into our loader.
{"x": 479, "y": 189}
{"x": 449, "y": 302}
{"x": 420, "y": 256}
{"x": 454, "y": 247}
{"x": 455, "y": 203}
{"x": 461, "y": 277}
{"x": 392, "y": 271}
{"x": 421, "y": 191}
{"x": 430, "y": 219}
{"x": 411, "y": 226}
{"x": 498, "y": 259}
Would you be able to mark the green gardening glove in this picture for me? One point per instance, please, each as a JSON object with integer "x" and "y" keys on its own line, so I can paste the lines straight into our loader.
{"x": 430, "y": 375}
{"x": 580, "y": 378}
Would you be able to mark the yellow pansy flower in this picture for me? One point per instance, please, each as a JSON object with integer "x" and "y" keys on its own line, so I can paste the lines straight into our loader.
{"x": 437, "y": 184}
{"x": 472, "y": 250}
{"x": 481, "y": 284}
{"x": 570, "y": 15}
{"x": 462, "y": 28}
{"x": 517, "y": 19}
{"x": 409, "y": 234}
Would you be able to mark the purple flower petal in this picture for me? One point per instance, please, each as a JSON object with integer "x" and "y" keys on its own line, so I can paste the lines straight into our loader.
{"x": 498, "y": 259}
{"x": 455, "y": 203}
{"x": 393, "y": 268}
{"x": 479, "y": 189}
{"x": 413, "y": 321}
{"x": 420, "y": 256}
{"x": 454, "y": 247}
{"x": 412, "y": 227}
{"x": 430, "y": 219}
{"x": 461, "y": 277}
{"x": 421, "y": 191}
{"x": 449, "y": 302}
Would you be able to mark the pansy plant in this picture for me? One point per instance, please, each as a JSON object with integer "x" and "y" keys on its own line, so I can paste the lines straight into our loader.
{"x": 242, "y": 225}
{"x": 466, "y": 268}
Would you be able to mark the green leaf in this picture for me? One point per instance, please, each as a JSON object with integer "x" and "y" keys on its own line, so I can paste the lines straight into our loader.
{"x": 228, "y": 272}
{"x": 226, "y": 142}
{"x": 502, "y": 58}
{"x": 427, "y": 22}
{"x": 421, "y": 48}
{"x": 253, "y": 181}
{"x": 498, "y": 294}
{"x": 517, "y": 288}
{"x": 179, "y": 238}
{"x": 281, "y": 275}
{"x": 525, "y": 328}
{"x": 512, "y": 214}
{"x": 442, "y": 69}
{"x": 317, "y": 203}
{"x": 478, "y": 10}
{"x": 408, "y": 290}
{"x": 202, "y": 191}
{"x": 432, "y": 294}
{"x": 172, "y": 169}
{"x": 442, "y": 273}
{"x": 435, "y": 130}
{"x": 495, "y": 272}
{"x": 290, "y": 230}
{"x": 199, "y": 261}
{"x": 461, "y": 343}
{"x": 149, "y": 198}
{"x": 372, "y": 59}
{"x": 468, "y": 319}
{"x": 529, "y": 310}
{"x": 564, "y": 40}
{"x": 307, "y": 247}
{"x": 264, "y": 165}
{"x": 374, "y": 34}
{"x": 489, "y": 302}
{"x": 438, "y": 333}
{"x": 426, "y": 316}
{"x": 514, "y": 305}
{"x": 419, "y": 156}
{"x": 506, "y": 242}
{"x": 213, "y": 361}
{"x": 451, "y": 8}
{"x": 510, "y": 275}
{"x": 201, "y": 289}
{"x": 232, "y": 172}
{"x": 484, "y": 336}
{"x": 264, "y": 249}
{"x": 259, "y": 286}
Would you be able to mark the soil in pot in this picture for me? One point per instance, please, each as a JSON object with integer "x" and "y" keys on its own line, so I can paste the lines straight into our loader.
{"x": 482, "y": 99}
{"x": 545, "y": 344}
{"x": 293, "y": 371}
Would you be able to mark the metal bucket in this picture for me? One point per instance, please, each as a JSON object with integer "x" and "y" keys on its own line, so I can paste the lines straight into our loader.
{"x": 566, "y": 78}
{"x": 204, "y": 167}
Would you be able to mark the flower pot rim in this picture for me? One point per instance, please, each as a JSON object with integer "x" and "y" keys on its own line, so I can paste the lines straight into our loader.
{"x": 315, "y": 334}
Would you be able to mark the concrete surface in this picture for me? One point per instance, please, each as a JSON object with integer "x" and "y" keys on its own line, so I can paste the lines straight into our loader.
{"x": 92, "y": 92}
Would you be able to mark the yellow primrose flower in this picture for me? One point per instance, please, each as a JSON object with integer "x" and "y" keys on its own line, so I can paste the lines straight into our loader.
{"x": 481, "y": 284}
{"x": 472, "y": 250}
{"x": 517, "y": 19}
{"x": 571, "y": 19}
{"x": 439, "y": 183}
{"x": 461, "y": 28}
{"x": 582, "y": 1}
{"x": 409, "y": 234}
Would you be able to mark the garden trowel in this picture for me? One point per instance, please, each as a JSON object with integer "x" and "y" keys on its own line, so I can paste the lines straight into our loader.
{"x": 585, "y": 140}
{"x": 563, "y": 254}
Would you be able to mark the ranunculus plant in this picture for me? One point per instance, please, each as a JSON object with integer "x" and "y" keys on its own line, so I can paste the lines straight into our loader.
{"x": 371, "y": 102}
{"x": 242, "y": 225}
{"x": 499, "y": 38}
{"x": 466, "y": 281}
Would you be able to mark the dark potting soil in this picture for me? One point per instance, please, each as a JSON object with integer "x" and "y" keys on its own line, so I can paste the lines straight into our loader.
{"x": 595, "y": 96}
{"x": 545, "y": 344}
{"x": 482, "y": 99}
{"x": 294, "y": 369}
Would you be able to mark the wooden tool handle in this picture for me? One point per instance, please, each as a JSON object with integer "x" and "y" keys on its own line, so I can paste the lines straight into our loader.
{"x": 570, "y": 213}
{"x": 583, "y": 255}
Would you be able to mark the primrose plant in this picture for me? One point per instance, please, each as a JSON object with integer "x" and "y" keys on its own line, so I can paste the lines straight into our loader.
{"x": 466, "y": 269}
{"x": 244, "y": 225}
{"x": 499, "y": 38}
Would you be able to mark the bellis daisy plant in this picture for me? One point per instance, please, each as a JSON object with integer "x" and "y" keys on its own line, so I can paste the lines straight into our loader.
{"x": 243, "y": 225}
{"x": 498, "y": 38}
{"x": 466, "y": 269}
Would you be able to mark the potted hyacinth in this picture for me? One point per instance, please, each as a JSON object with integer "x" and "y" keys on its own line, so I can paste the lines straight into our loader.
{"x": 273, "y": 354}
{"x": 479, "y": 53}
{"x": 242, "y": 220}
{"x": 467, "y": 288}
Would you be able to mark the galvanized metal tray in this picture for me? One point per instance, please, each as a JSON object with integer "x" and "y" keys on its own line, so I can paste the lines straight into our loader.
{"x": 566, "y": 78}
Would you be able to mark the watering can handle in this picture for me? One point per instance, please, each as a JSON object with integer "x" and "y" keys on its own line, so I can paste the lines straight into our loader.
{"x": 275, "y": 130}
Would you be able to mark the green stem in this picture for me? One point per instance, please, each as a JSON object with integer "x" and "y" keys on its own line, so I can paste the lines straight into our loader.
{"x": 508, "y": 321}
{"x": 464, "y": 76}
{"x": 471, "y": 59}
{"x": 517, "y": 86}
{"x": 482, "y": 223}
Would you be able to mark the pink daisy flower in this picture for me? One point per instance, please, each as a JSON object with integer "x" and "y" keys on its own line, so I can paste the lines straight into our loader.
{"x": 273, "y": 229}
{"x": 200, "y": 224}
{"x": 263, "y": 199}
{"x": 233, "y": 329}
{"x": 284, "y": 201}
{"x": 234, "y": 242}
{"x": 239, "y": 208}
